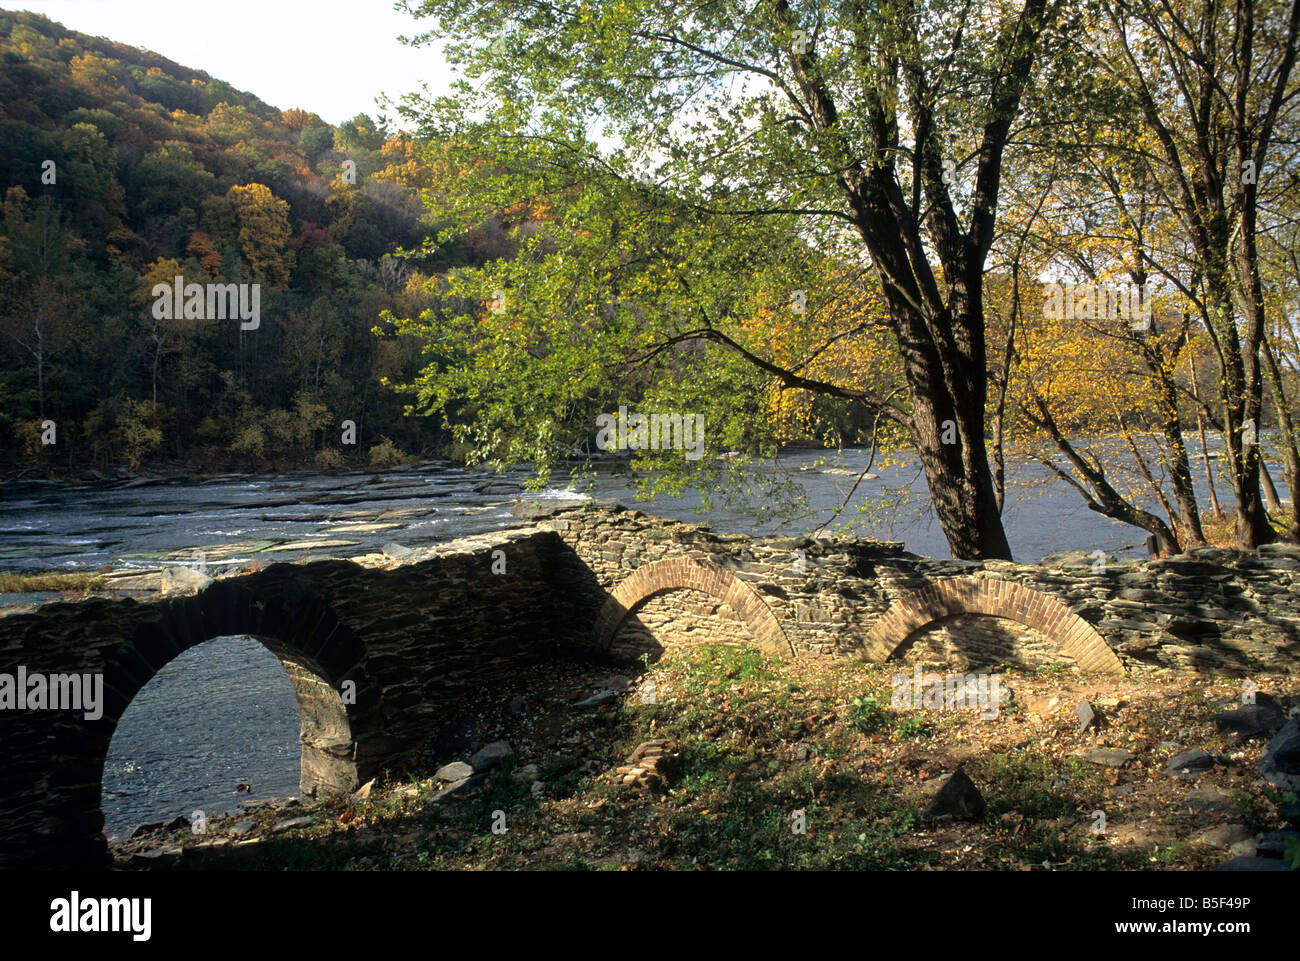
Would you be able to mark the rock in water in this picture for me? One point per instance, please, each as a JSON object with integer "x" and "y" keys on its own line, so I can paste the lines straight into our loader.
{"x": 397, "y": 552}
{"x": 959, "y": 799}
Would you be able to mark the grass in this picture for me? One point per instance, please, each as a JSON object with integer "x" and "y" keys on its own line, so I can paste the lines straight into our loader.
{"x": 779, "y": 766}
{"x": 49, "y": 581}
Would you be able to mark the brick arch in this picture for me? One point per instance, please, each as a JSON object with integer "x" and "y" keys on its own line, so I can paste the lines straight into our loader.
{"x": 995, "y": 598}
{"x": 687, "y": 573}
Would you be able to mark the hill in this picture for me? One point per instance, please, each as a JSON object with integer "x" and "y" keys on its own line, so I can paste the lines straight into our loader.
{"x": 123, "y": 170}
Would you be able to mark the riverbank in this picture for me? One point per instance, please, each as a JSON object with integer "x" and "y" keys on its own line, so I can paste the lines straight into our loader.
{"x": 748, "y": 763}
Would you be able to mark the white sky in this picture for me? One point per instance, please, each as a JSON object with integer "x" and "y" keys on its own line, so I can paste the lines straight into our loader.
{"x": 332, "y": 57}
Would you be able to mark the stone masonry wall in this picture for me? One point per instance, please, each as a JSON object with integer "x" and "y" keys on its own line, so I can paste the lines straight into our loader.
{"x": 1214, "y": 611}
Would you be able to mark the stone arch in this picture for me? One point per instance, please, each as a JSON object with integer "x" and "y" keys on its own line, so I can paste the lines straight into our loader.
{"x": 995, "y": 598}
{"x": 687, "y": 573}
{"x": 128, "y": 643}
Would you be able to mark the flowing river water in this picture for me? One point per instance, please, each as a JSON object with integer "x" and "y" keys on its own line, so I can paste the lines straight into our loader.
{"x": 223, "y": 714}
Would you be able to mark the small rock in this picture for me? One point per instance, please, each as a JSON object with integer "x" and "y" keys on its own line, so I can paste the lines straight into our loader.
{"x": 516, "y": 705}
{"x": 1190, "y": 763}
{"x": 958, "y": 798}
{"x": 1251, "y": 721}
{"x": 491, "y": 756}
{"x": 1212, "y": 800}
{"x": 149, "y": 828}
{"x": 1245, "y": 849}
{"x": 1106, "y": 756}
{"x": 603, "y": 697}
{"x": 1225, "y": 835}
{"x": 363, "y": 792}
{"x": 240, "y": 828}
{"x": 527, "y": 773}
{"x": 465, "y": 787}
{"x": 649, "y": 691}
{"x": 397, "y": 552}
{"x": 291, "y": 824}
{"x": 455, "y": 771}
{"x": 160, "y": 858}
{"x": 1086, "y": 715}
{"x": 1274, "y": 843}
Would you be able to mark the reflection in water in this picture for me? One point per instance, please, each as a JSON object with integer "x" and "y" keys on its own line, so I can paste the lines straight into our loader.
{"x": 219, "y": 715}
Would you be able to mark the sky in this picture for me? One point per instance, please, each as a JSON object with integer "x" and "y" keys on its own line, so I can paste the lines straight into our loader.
{"x": 332, "y": 57}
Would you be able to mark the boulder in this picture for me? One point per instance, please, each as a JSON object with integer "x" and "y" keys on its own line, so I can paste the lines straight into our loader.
{"x": 1251, "y": 721}
{"x": 182, "y": 580}
{"x": 958, "y": 799}
{"x": 491, "y": 756}
{"x": 1280, "y": 764}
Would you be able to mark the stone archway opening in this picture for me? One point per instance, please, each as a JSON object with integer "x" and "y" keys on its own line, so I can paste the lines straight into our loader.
{"x": 697, "y": 596}
{"x": 972, "y": 642}
{"x": 676, "y": 619}
{"x": 1048, "y": 624}
{"x": 231, "y": 718}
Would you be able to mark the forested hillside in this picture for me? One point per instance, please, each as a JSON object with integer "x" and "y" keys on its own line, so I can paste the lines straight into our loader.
{"x": 123, "y": 170}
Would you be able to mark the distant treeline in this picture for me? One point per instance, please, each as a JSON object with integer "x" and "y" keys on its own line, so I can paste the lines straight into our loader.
{"x": 123, "y": 170}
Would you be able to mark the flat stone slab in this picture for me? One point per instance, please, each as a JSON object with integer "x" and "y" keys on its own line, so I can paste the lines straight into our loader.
{"x": 292, "y": 823}
{"x": 1190, "y": 763}
{"x": 1106, "y": 756}
{"x": 455, "y": 771}
{"x": 465, "y": 787}
{"x": 309, "y": 545}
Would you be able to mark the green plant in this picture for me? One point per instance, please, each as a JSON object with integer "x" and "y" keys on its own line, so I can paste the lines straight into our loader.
{"x": 868, "y": 716}
{"x": 907, "y": 728}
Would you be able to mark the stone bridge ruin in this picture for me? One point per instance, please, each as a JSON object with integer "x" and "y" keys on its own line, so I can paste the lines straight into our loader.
{"x": 377, "y": 653}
